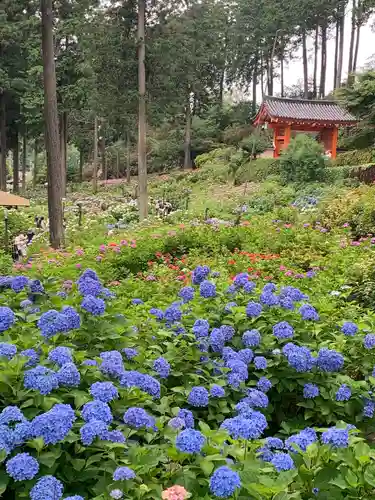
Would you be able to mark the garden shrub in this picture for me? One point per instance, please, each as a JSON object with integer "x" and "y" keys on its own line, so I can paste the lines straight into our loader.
{"x": 355, "y": 157}
{"x": 257, "y": 170}
{"x": 303, "y": 161}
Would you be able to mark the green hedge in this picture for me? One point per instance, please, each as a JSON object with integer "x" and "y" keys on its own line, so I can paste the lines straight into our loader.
{"x": 356, "y": 157}
{"x": 257, "y": 170}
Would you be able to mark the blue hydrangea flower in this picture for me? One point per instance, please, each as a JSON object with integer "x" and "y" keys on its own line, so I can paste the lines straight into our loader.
{"x": 294, "y": 293}
{"x": 47, "y": 488}
{"x": 265, "y": 454}
{"x": 22, "y": 467}
{"x": 308, "y": 313}
{"x": 201, "y": 328}
{"x": 176, "y": 423}
{"x": 198, "y": 397}
{"x": 114, "y": 436}
{"x": 269, "y": 288}
{"x": 199, "y": 274}
{"x": 33, "y": 357}
{"x": 249, "y": 287}
{"x": 245, "y": 428}
{"x": 90, "y": 362}
{"x": 97, "y": 410}
{"x": 251, "y": 338}
{"x": 89, "y": 286}
{"x": 207, "y": 289}
{"x": 19, "y": 283}
{"x": 11, "y": 414}
{"x": 130, "y": 352}
{"x": 260, "y": 362}
{"x": 286, "y": 303}
{"x": 41, "y": 379}
{"x": 282, "y": 462}
{"x": 69, "y": 375}
{"x": 329, "y": 360}
{"x": 72, "y": 316}
{"x": 104, "y": 391}
{"x": 253, "y": 309}
{"x": 24, "y": 304}
{"x": 139, "y": 418}
{"x": 92, "y": 430}
{"x": 246, "y": 355}
{"x": 8, "y": 350}
{"x": 116, "y": 494}
{"x": 137, "y": 302}
{"x": 187, "y": 417}
{"x": 54, "y": 425}
{"x": 264, "y": 384}
{"x": 144, "y": 382}
{"x": 217, "y": 340}
{"x": 231, "y": 290}
{"x": 123, "y": 474}
{"x": 369, "y": 408}
{"x": 52, "y": 322}
{"x": 162, "y": 367}
{"x": 173, "y": 314}
{"x": 283, "y": 330}
{"x": 21, "y": 433}
{"x": 190, "y": 441}
{"x": 274, "y": 443}
{"x": 224, "y": 482}
{"x": 228, "y": 307}
{"x": 112, "y": 363}
{"x": 299, "y": 358}
{"x": 369, "y": 341}
{"x": 338, "y": 438}
{"x": 7, "y": 318}
{"x": 187, "y": 293}
{"x": 60, "y": 355}
{"x": 256, "y": 399}
{"x": 349, "y": 328}
{"x": 344, "y": 393}
{"x": 301, "y": 440}
{"x": 310, "y": 391}
{"x": 240, "y": 280}
{"x": 36, "y": 286}
{"x": 269, "y": 299}
{"x": 217, "y": 391}
{"x": 93, "y": 305}
{"x": 228, "y": 332}
{"x": 158, "y": 313}
{"x": 74, "y": 497}
{"x": 239, "y": 372}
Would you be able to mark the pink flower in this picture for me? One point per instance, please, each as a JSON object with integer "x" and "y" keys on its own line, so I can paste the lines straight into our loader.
{"x": 102, "y": 248}
{"x": 78, "y": 266}
{"x": 117, "y": 249}
{"x": 346, "y": 224}
{"x": 175, "y": 493}
{"x": 29, "y": 265}
{"x": 133, "y": 244}
{"x": 355, "y": 243}
{"x": 150, "y": 277}
{"x": 99, "y": 258}
{"x": 79, "y": 251}
{"x": 287, "y": 226}
{"x": 289, "y": 273}
{"x": 282, "y": 268}
{"x": 124, "y": 243}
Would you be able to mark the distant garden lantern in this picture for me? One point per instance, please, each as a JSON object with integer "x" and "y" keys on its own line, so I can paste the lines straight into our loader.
{"x": 290, "y": 116}
{"x": 9, "y": 200}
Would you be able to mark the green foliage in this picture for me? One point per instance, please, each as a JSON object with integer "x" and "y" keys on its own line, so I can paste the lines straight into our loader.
{"x": 355, "y": 157}
{"x": 303, "y": 161}
{"x": 257, "y": 170}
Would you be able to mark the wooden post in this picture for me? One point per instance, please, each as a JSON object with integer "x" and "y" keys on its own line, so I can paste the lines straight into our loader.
{"x": 287, "y": 135}
{"x": 275, "y": 151}
{"x": 335, "y": 133}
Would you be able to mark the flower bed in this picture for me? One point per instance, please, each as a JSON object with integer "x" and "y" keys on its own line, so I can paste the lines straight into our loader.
{"x": 229, "y": 388}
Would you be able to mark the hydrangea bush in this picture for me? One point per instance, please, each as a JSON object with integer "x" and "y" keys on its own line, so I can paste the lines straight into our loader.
{"x": 111, "y": 397}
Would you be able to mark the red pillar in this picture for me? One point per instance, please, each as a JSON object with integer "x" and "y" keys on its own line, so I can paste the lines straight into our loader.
{"x": 335, "y": 133}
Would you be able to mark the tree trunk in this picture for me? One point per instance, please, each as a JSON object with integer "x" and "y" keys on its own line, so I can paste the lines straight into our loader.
{"x": 128, "y": 170}
{"x": 187, "y": 141}
{"x": 3, "y": 143}
{"x": 63, "y": 144}
{"x": 35, "y": 170}
{"x": 117, "y": 164}
{"x": 282, "y": 75}
{"x": 323, "y": 66}
{"x": 142, "y": 160}
{"x": 337, "y": 37}
{"x": 316, "y": 49}
{"x": 104, "y": 162}
{"x": 355, "y": 58}
{"x": 351, "y": 46}
{"x": 270, "y": 75}
{"x": 24, "y": 161}
{"x": 80, "y": 178}
{"x": 261, "y": 74}
{"x": 305, "y": 68}
{"x": 16, "y": 163}
{"x": 341, "y": 51}
{"x": 221, "y": 87}
{"x": 55, "y": 211}
{"x": 95, "y": 162}
{"x": 255, "y": 82}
